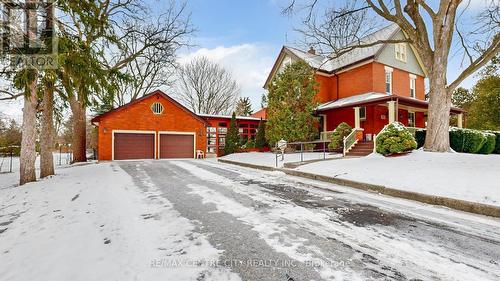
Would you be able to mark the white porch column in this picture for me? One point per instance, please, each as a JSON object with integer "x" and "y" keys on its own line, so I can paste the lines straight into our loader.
{"x": 357, "y": 119}
{"x": 392, "y": 111}
{"x": 460, "y": 120}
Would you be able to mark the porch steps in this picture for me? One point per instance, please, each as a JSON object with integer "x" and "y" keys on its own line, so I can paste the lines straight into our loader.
{"x": 360, "y": 149}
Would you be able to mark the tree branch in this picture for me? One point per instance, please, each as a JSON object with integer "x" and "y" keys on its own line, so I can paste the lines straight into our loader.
{"x": 482, "y": 60}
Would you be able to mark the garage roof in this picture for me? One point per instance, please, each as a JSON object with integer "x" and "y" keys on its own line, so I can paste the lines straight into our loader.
{"x": 98, "y": 117}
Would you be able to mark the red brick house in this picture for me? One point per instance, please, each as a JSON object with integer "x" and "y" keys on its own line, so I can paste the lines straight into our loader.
{"x": 367, "y": 87}
{"x": 158, "y": 127}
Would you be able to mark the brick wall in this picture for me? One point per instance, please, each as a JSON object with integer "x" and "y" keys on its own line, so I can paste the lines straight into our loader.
{"x": 139, "y": 117}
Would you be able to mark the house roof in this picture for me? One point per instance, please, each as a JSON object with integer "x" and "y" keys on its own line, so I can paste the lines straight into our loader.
{"x": 260, "y": 114}
{"x": 159, "y": 92}
{"x": 328, "y": 64}
{"x": 374, "y": 98}
{"x": 229, "y": 117}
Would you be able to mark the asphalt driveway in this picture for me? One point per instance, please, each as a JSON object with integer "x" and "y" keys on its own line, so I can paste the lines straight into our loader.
{"x": 269, "y": 226}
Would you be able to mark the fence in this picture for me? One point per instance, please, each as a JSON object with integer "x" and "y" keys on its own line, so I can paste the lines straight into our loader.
{"x": 303, "y": 148}
{"x": 7, "y": 158}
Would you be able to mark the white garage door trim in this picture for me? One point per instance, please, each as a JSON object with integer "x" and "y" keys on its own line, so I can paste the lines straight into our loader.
{"x": 177, "y": 133}
{"x": 129, "y": 132}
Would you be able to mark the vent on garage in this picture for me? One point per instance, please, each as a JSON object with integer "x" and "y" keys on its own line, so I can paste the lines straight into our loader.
{"x": 157, "y": 108}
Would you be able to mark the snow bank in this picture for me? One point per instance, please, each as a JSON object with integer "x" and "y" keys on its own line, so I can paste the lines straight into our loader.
{"x": 469, "y": 177}
{"x": 92, "y": 223}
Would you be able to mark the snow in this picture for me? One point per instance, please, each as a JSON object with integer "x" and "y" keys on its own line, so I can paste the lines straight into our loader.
{"x": 470, "y": 177}
{"x": 268, "y": 159}
{"x": 277, "y": 226}
{"x": 350, "y": 100}
{"x": 91, "y": 222}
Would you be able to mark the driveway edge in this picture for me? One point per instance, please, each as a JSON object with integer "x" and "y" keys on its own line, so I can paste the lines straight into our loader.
{"x": 457, "y": 204}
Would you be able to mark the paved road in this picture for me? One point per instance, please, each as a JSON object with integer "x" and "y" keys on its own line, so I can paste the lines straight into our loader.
{"x": 274, "y": 227}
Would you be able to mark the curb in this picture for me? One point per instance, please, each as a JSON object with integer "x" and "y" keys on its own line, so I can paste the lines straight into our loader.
{"x": 457, "y": 204}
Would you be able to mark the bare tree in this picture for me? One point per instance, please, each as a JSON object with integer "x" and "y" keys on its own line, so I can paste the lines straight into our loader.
{"x": 206, "y": 87}
{"x": 153, "y": 67}
{"x": 431, "y": 31}
{"x": 107, "y": 31}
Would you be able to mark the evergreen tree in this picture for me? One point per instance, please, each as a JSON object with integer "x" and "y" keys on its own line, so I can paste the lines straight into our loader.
{"x": 484, "y": 111}
{"x": 291, "y": 105}
{"x": 244, "y": 107}
{"x": 260, "y": 138}
{"x": 232, "y": 137}
{"x": 263, "y": 101}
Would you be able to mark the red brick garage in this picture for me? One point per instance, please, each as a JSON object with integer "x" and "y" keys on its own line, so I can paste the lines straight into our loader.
{"x": 152, "y": 127}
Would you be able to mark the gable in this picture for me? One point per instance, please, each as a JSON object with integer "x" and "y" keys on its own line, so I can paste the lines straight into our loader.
{"x": 387, "y": 56}
{"x": 284, "y": 58}
{"x": 141, "y": 109}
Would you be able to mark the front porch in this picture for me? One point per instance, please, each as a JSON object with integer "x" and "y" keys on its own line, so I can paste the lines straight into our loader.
{"x": 370, "y": 114}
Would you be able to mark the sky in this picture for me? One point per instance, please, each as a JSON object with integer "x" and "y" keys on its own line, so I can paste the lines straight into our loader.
{"x": 245, "y": 37}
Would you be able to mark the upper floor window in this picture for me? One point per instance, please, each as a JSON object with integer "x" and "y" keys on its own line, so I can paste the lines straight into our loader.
{"x": 388, "y": 80}
{"x": 413, "y": 80}
{"x": 401, "y": 52}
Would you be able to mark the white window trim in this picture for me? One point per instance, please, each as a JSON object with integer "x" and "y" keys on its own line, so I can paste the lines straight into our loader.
{"x": 388, "y": 70}
{"x": 362, "y": 118}
{"x": 414, "y": 79}
{"x": 162, "y": 108}
{"x": 176, "y": 133}
{"x": 129, "y": 132}
{"x": 401, "y": 48}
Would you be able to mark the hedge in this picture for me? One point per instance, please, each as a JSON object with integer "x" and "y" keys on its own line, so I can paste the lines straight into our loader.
{"x": 497, "y": 145}
{"x": 489, "y": 145}
{"x": 338, "y": 135}
{"x": 395, "y": 139}
{"x": 497, "y": 142}
{"x": 466, "y": 140}
{"x": 420, "y": 137}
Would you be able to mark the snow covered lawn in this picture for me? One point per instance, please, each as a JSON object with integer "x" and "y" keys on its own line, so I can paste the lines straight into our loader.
{"x": 469, "y": 177}
{"x": 92, "y": 222}
{"x": 268, "y": 159}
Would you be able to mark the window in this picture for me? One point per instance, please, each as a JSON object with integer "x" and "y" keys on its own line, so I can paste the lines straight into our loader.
{"x": 362, "y": 113}
{"x": 411, "y": 119}
{"x": 401, "y": 52}
{"x": 412, "y": 86}
{"x": 157, "y": 108}
{"x": 222, "y": 128}
{"x": 388, "y": 82}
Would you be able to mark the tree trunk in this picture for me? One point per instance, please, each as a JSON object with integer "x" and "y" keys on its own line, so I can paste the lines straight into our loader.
{"x": 438, "y": 123}
{"x": 28, "y": 152}
{"x": 47, "y": 134}
{"x": 79, "y": 144}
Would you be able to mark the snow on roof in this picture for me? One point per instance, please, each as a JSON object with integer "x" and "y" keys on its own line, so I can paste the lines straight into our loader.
{"x": 350, "y": 100}
{"x": 329, "y": 64}
{"x": 228, "y": 116}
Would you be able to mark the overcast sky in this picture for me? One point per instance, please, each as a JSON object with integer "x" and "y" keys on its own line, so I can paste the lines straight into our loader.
{"x": 246, "y": 37}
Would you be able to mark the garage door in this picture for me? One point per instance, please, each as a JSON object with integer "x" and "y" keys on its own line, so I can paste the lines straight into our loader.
{"x": 134, "y": 146}
{"x": 176, "y": 146}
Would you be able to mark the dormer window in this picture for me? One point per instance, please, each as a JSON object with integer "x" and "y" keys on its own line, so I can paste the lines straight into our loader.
{"x": 401, "y": 52}
{"x": 157, "y": 108}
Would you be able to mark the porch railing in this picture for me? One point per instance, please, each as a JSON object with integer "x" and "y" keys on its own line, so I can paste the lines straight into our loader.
{"x": 350, "y": 140}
